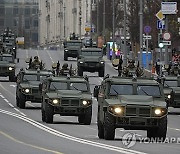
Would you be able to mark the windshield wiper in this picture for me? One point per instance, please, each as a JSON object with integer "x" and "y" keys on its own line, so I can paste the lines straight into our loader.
{"x": 144, "y": 92}
{"x": 115, "y": 91}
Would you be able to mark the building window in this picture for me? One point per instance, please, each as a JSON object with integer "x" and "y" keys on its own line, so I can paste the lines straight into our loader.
{"x": 2, "y": 11}
{"x": 35, "y": 37}
{"x": 27, "y": 11}
{"x": 27, "y": 24}
{"x": 35, "y": 23}
{"x": 34, "y": 11}
{"x": 2, "y": 22}
{"x": 15, "y": 10}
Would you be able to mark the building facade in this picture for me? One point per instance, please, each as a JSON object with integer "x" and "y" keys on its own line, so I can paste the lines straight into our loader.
{"x": 59, "y": 18}
{"x": 22, "y": 17}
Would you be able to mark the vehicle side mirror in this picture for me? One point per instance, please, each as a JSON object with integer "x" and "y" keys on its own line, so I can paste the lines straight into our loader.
{"x": 40, "y": 87}
{"x": 96, "y": 91}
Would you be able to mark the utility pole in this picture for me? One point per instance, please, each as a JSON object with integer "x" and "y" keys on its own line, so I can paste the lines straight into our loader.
{"x": 104, "y": 19}
{"x": 64, "y": 7}
{"x": 113, "y": 36}
{"x": 124, "y": 47}
{"x": 141, "y": 31}
{"x": 80, "y": 18}
{"x": 91, "y": 19}
{"x": 97, "y": 17}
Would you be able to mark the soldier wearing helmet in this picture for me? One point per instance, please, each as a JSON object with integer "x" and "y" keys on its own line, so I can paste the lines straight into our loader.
{"x": 36, "y": 63}
{"x": 65, "y": 70}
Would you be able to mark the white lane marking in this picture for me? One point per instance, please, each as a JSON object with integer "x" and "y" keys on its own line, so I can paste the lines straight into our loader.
{"x": 2, "y": 96}
{"x": 11, "y": 105}
{"x": 26, "y": 54}
{"x": 72, "y": 138}
{"x": 6, "y": 100}
{"x": 12, "y": 85}
{"x": 174, "y": 129}
{"x": 49, "y": 56}
{"x": 19, "y": 112}
{"x": 101, "y": 79}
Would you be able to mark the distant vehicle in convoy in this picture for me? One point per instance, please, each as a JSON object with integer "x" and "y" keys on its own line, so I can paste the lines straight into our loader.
{"x": 131, "y": 103}
{"x": 67, "y": 96}
{"x": 71, "y": 48}
{"x": 91, "y": 60}
{"x": 7, "y": 66}
{"x": 28, "y": 86}
{"x": 172, "y": 90}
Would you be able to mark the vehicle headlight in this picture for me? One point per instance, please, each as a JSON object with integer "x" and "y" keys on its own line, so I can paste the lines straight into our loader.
{"x": 66, "y": 50}
{"x": 169, "y": 96}
{"x": 10, "y": 68}
{"x": 81, "y": 62}
{"x": 157, "y": 111}
{"x": 85, "y": 102}
{"x": 118, "y": 110}
{"x": 55, "y": 101}
{"x": 14, "y": 48}
{"x": 102, "y": 62}
{"x": 27, "y": 90}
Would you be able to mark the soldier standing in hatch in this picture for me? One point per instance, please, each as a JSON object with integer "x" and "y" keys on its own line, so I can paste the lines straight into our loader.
{"x": 36, "y": 62}
{"x": 120, "y": 66}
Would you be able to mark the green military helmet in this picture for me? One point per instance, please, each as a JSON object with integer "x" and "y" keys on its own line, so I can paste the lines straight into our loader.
{"x": 65, "y": 66}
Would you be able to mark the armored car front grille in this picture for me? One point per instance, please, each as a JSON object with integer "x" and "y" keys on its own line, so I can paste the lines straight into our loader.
{"x": 70, "y": 102}
{"x": 3, "y": 68}
{"x": 91, "y": 63}
{"x": 177, "y": 97}
{"x": 35, "y": 90}
{"x": 138, "y": 111}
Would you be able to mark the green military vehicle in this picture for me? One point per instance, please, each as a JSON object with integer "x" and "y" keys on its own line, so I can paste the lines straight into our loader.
{"x": 67, "y": 96}
{"x": 7, "y": 66}
{"x": 136, "y": 104}
{"x": 71, "y": 48}
{"x": 91, "y": 60}
{"x": 172, "y": 90}
{"x": 28, "y": 86}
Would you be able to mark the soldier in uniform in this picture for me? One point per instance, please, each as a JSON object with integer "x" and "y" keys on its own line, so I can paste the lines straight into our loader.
{"x": 35, "y": 63}
{"x": 65, "y": 70}
{"x": 120, "y": 66}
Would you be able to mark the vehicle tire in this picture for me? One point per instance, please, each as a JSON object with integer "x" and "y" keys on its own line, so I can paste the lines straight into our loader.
{"x": 86, "y": 117}
{"x": 22, "y": 101}
{"x": 100, "y": 128}
{"x": 160, "y": 132}
{"x": 17, "y": 101}
{"x": 109, "y": 127}
{"x": 101, "y": 72}
{"x": 49, "y": 113}
{"x": 12, "y": 77}
{"x": 80, "y": 71}
{"x": 65, "y": 57}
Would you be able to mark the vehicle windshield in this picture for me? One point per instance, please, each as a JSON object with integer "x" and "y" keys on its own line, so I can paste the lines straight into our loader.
{"x": 30, "y": 77}
{"x": 121, "y": 89}
{"x": 91, "y": 53}
{"x": 81, "y": 86}
{"x": 42, "y": 77}
{"x": 58, "y": 86}
{"x": 150, "y": 90}
{"x": 74, "y": 43}
{"x": 170, "y": 83}
{"x": 7, "y": 58}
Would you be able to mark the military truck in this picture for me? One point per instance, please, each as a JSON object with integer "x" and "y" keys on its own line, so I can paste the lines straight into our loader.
{"x": 91, "y": 60}
{"x": 131, "y": 103}
{"x": 67, "y": 96}
{"x": 71, "y": 48}
{"x": 7, "y": 66}
{"x": 27, "y": 88}
{"x": 172, "y": 90}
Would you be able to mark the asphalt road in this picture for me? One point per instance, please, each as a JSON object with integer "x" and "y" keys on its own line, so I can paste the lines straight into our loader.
{"x": 23, "y": 132}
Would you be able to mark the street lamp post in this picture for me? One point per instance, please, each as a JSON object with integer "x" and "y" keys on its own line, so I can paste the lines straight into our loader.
{"x": 124, "y": 47}
{"x": 113, "y": 36}
{"x": 141, "y": 31}
{"x": 104, "y": 18}
{"x": 80, "y": 18}
{"x": 64, "y": 7}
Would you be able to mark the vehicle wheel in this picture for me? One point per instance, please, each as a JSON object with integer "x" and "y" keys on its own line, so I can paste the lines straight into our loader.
{"x": 86, "y": 117}
{"x": 17, "y": 101}
{"x": 49, "y": 113}
{"x": 12, "y": 77}
{"x": 160, "y": 132}
{"x": 100, "y": 128}
{"x": 80, "y": 71}
{"x": 109, "y": 128}
{"x": 101, "y": 72}
{"x": 65, "y": 57}
{"x": 22, "y": 101}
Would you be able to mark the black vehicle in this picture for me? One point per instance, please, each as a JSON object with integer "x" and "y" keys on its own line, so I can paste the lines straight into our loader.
{"x": 91, "y": 60}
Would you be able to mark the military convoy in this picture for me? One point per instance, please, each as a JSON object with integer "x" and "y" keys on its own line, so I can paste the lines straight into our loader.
{"x": 67, "y": 96}
{"x": 131, "y": 103}
{"x": 27, "y": 88}
{"x": 91, "y": 60}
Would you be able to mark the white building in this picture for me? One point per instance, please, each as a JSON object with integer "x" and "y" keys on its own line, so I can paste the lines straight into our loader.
{"x": 59, "y": 18}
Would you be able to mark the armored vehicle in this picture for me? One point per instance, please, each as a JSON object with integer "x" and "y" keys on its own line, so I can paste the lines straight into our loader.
{"x": 7, "y": 66}
{"x": 71, "y": 48}
{"x": 128, "y": 103}
{"x": 172, "y": 91}
{"x": 67, "y": 96}
{"x": 28, "y": 86}
{"x": 91, "y": 60}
